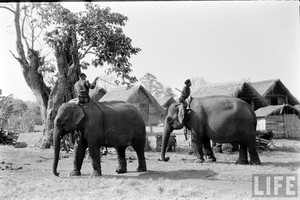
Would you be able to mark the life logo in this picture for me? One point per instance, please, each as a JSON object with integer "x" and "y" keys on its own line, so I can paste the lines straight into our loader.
{"x": 275, "y": 185}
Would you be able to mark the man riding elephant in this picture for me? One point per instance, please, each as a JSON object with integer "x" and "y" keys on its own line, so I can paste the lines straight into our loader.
{"x": 82, "y": 88}
{"x": 184, "y": 99}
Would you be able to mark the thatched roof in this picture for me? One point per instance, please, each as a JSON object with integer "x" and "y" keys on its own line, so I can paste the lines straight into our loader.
{"x": 278, "y": 110}
{"x": 238, "y": 89}
{"x": 266, "y": 87}
{"x": 131, "y": 95}
{"x": 165, "y": 101}
{"x": 297, "y": 107}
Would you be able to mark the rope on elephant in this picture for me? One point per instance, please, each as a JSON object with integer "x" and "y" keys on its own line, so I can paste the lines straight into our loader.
{"x": 96, "y": 104}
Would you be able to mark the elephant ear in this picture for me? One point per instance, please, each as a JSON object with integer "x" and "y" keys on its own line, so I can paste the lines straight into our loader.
{"x": 77, "y": 114}
{"x": 180, "y": 113}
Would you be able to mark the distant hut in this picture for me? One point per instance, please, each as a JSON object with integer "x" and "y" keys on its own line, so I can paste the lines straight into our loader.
{"x": 283, "y": 120}
{"x": 274, "y": 92}
{"x": 97, "y": 93}
{"x": 242, "y": 90}
{"x": 138, "y": 96}
{"x": 165, "y": 102}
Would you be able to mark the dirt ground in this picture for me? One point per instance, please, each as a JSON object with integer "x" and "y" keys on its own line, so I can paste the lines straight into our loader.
{"x": 25, "y": 173}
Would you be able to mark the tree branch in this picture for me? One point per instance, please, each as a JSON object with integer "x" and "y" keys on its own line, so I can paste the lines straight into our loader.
{"x": 22, "y": 30}
{"x": 18, "y": 59}
{"x": 86, "y": 52}
{"x": 11, "y": 10}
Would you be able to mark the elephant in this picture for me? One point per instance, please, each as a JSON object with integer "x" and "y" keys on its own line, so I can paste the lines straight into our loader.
{"x": 223, "y": 119}
{"x": 100, "y": 124}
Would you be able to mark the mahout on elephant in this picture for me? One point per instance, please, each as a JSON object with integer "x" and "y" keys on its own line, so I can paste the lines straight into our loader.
{"x": 106, "y": 124}
{"x": 222, "y": 119}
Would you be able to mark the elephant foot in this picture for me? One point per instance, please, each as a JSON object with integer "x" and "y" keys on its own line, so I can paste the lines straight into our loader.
{"x": 121, "y": 171}
{"x": 96, "y": 173}
{"x": 142, "y": 169}
{"x": 75, "y": 173}
{"x": 255, "y": 162}
{"x": 211, "y": 159}
{"x": 199, "y": 160}
{"x": 242, "y": 162}
{"x": 166, "y": 159}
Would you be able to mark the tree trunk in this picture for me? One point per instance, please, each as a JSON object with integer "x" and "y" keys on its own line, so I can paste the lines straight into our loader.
{"x": 61, "y": 93}
{"x": 30, "y": 68}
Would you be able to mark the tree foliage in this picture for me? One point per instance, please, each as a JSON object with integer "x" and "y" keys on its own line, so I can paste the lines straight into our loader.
{"x": 6, "y": 109}
{"x": 168, "y": 92}
{"x": 18, "y": 115}
{"x": 156, "y": 88}
{"x": 197, "y": 82}
{"x": 150, "y": 82}
{"x": 94, "y": 31}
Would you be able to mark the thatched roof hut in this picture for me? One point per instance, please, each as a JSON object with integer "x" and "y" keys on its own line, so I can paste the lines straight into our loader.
{"x": 242, "y": 90}
{"x": 274, "y": 92}
{"x": 282, "y": 119}
{"x": 138, "y": 96}
{"x": 165, "y": 102}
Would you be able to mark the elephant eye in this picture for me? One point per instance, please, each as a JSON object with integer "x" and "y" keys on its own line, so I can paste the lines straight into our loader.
{"x": 169, "y": 120}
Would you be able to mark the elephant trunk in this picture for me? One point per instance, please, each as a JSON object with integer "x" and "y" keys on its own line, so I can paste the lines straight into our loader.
{"x": 56, "y": 144}
{"x": 165, "y": 139}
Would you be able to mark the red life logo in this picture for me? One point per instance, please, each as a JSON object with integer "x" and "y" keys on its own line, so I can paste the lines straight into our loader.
{"x": 274, "y": 185}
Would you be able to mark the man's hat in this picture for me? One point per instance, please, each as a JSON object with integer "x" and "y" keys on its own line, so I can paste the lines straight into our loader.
{"x": 187, "y": 81}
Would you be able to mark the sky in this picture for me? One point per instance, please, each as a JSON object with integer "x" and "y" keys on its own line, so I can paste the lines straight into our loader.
{"x": 219, "y": 41}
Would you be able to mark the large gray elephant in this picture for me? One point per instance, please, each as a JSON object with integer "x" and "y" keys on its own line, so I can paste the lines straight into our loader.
{"x": 222, "y": 119}
{"x": 109, "y": 124}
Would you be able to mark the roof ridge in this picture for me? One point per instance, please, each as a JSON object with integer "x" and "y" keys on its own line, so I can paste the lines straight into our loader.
{"x": 265, "y": 81}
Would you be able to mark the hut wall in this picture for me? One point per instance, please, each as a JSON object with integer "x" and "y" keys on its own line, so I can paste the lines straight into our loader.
{"x": 276, "y": 123}
{"x": 281, "y": 100}
{"x": 153, "y": 115}
{"x": 292, "y": 126}
{"x": 143, "y": 108}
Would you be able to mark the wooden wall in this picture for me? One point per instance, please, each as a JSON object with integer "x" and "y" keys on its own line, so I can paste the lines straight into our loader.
{"x": 284, "y": 126}
{"x": 292, "y": 126}
{"x": 153, "y": 115}
{"x": 149, "y": 113}
{"x": 275, "y": 123}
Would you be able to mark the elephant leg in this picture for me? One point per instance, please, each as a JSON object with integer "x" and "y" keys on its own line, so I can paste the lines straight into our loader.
{"x": 141, "y": 159}
{"x": 122, "y": 168}
{"x": 208, "y": 151}
{"x": 79, "y": 153}
{"x": 198, "y": 147}
{"x": 94, "y": 152}
{"x": 254, "y": 159}
{"x": 243, "y": 155}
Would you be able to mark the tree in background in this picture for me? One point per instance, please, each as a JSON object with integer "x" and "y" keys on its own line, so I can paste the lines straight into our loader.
{"x": 6, "y": 109}
{"x": 168, "y": 92}
{"x": 96, "y": 31}
{"x": 18, "y": 115}
{"x": 152, "y": 85}
{"x": 197, "y": 82}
